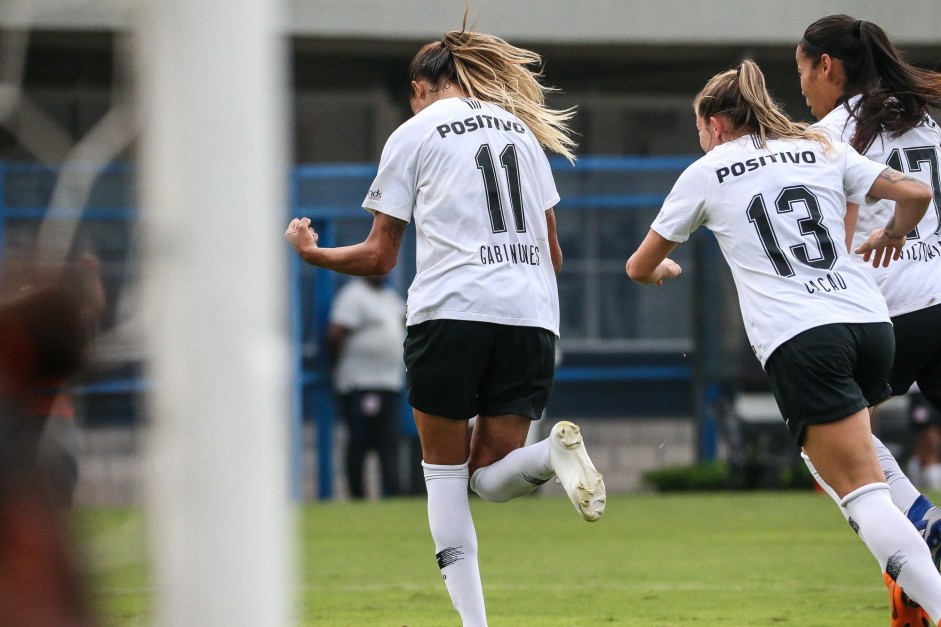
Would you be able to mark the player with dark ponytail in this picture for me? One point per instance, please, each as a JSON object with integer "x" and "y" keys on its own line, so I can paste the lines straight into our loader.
{"x": 868, "y": 76}
{"x": 863, "y": 91}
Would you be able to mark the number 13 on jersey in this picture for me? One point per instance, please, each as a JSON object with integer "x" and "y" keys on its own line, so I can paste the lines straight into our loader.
{"x": 810, "y": 226}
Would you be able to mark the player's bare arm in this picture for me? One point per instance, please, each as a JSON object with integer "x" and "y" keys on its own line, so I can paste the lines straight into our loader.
{"x": 396, "y": 231}
{"x": 375, "y": 256}
{"x": 912, "y": 198}
{"x": 889, "y": 229}
{"x": 894, "y": 176}
{"x": 555, "y": 250}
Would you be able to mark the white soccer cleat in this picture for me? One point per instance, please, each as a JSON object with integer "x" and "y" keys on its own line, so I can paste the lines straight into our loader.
{"x": 574, "y": 470}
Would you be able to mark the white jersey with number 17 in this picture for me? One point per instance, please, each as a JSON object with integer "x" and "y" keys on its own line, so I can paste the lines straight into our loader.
{"x": 777, "y": 213}
{"x": 477, "y": 184}
{"x": 914, "y": 281}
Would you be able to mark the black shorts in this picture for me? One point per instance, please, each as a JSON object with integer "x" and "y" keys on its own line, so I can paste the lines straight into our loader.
{"x": 460, "y": 369}
{"x": 918, "y": 353}
{"x": 830, "y": 372}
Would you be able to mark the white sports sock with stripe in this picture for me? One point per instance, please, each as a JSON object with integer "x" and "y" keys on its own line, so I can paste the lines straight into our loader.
{"x": 452, "y": 528}
{"x": 896, "y": 545}
{"x": 517, "y": 474}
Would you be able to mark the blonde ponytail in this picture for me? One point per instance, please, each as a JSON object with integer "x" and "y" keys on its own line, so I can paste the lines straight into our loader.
{"x": 490, "y": 69}
{"x": 741, "y": 96}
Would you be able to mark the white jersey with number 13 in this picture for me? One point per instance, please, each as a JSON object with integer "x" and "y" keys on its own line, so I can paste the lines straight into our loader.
{"x": 777, "y": 213}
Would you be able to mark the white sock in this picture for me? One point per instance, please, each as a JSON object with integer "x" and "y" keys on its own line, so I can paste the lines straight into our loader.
{"x": 896, "y": 545}
{"x": 452, "y": 528}
{"x": 932, "y": 477}
{"x": 902, "y": 491}
{"x": 913, "y": 470}
{"x": 517, "y": 474}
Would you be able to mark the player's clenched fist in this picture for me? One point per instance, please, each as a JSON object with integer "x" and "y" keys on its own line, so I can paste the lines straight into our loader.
{"x": 668, "y": 269}
{"x": 300, "y": 234}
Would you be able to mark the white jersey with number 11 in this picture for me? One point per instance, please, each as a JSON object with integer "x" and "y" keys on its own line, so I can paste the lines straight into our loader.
{"x": 477, "y": 184}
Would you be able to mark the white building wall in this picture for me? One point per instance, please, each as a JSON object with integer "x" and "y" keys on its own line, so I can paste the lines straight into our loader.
{"x": 742, "y": 22}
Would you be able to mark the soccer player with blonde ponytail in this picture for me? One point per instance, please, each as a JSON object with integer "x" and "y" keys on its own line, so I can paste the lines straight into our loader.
{"x": 483, "y": 309}
{"x": 774, "y": 194}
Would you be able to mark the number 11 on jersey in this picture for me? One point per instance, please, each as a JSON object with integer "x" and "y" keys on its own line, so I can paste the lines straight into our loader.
{"x": 489, "y": 172}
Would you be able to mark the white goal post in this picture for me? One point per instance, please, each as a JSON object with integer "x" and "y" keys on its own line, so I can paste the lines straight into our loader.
{"x": 211, "y": 99}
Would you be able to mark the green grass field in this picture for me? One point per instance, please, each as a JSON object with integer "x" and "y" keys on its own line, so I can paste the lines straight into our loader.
{"x": 729, "y": 559}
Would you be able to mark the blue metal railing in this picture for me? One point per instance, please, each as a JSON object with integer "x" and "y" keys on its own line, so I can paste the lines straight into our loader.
{"x": 331, "y": 195}
{"x": 582, "y": 187}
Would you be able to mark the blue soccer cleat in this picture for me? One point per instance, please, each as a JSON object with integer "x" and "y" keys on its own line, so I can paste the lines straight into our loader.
{"x": 927, "y": 520}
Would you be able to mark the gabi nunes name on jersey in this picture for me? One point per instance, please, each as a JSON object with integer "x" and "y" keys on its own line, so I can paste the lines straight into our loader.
{"x": 512, "y": 253}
